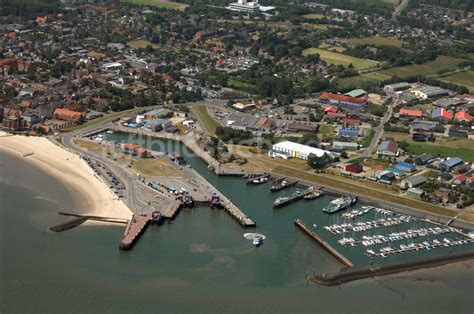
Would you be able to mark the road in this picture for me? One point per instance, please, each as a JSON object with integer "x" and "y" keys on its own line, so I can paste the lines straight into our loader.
{"x": 399, "y": 9}
{"x": 378, "y": 131}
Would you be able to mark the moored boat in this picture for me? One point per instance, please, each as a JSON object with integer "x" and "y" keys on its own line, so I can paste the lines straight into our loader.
{"x": 340, "y": 204}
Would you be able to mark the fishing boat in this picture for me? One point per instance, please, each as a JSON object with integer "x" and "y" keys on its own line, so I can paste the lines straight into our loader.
{"x": 313, "y": 195}
{"x": 340, "y": 204}
{"x": 260, "y": 180}
{"x": 279, "y": 185}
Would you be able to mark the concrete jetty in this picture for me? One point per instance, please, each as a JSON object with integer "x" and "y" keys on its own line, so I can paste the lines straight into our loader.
{"x": 135, "y": 228}
{"x": 341, "y": 258}
{"x": 358, "y": 273}
{"x": 172, "y": 211}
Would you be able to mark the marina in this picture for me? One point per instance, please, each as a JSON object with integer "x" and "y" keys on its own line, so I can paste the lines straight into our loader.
{"x": 395, "y": 236}
{"x": 368, "y": 225}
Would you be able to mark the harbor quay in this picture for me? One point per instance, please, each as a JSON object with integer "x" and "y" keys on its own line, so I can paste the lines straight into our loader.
{"x": 359, "y": 273}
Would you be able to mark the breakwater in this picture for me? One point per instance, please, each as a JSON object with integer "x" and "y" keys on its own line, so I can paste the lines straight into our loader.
{"x": 353, "y": 274}
{"x": 341, "y": 258}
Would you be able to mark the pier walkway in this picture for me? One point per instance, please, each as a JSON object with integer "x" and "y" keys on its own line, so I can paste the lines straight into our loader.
{"x": 341, "y": 258}
{"x": 135, "y": 228}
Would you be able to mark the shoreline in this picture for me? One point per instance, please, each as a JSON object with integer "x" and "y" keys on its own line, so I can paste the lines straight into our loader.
{"x": 90, "y": 195}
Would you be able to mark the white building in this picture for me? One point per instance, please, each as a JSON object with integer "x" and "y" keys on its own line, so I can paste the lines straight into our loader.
{"x": 245, "y": 6}
{"x": 289, "y": 149}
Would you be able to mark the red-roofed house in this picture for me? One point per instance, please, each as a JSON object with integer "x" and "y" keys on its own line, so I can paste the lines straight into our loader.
{"x": 344, "y": 100}
{"x": 334, "y": 115}
{"x": 68, "y": 115}
{"x": 463, "y": 116}
{"x": 351, "y": 121}
{"x": 410, "y": 112}
{"x": 330, "y": 109}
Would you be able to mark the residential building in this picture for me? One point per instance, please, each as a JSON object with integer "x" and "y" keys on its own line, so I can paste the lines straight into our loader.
{"x": 300, "y": 128}
{"x": 450, "y": 163}
{"x": 354, "y": 168}
{"x": 441, "y": 113}
{"x": 68, "y": 115}
{"x": 388, "y": 148}
{"x": 463, "y": 116}
{"x": 405, "y": 166}
{"x": 412, "y": 182}
{"x": 411, "y": 113}
{"x": 348, "y": 133}
{"x": 345, "y": 145}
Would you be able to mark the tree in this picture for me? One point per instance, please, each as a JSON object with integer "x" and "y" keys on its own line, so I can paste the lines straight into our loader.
{"x": 316, "y": 162}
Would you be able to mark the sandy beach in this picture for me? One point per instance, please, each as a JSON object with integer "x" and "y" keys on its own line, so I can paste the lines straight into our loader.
{"x": 91, "y": 195}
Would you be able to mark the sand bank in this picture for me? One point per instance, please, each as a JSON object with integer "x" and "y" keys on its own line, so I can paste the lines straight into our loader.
{"x": 91, "y": 195}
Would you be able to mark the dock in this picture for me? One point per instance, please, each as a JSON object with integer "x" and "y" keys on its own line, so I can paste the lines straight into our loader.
{"x": 135, "y": 228}
{"x": 293, "y": 199}
{"x": 171, "y": 212}
{"x": 341, "y": 258}
{"x": 237, "y": 214}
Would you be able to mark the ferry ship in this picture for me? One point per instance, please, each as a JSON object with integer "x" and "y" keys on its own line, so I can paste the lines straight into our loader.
{"x": 339, "y": 204}
{"x": 280, "y": 201}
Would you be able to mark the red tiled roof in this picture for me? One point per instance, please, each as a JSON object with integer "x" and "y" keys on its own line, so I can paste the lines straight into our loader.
{"x": 410, "y": 112}
{"x": 335, "y": 115}
{"x": 463, "y": 116}
{"x": 330, "y": 109}
{"x": 67, "y": 112}
{"x": 351, "y": 121}
{"x": 355, "y": 100}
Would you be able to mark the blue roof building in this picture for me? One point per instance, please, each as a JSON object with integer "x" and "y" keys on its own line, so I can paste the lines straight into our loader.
{"x": 405, "y": 166}
{"x": 450, "y": 163}
{"x": 348, "y": 133}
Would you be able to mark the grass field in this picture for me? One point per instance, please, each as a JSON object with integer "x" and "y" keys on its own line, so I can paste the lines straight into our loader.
{"x": 164, "y": 4}
{"x": 372, "y": 77}
{"x": 94, "y": 147}
{"x": 209, "y": 122}
{"x": 338, "y": 58}
{"x": 326, "y": 130}
{"x": 465, "y": 78}
{"x": 443, "y": 151}
{"x": 240, "y": 85}
{"x": 313, "y": 16}
{"x": 428, "y": 68}
{"x": 155, "y": 167}
{"x": 375, "y": 41}
{"x": 140, "y": 43}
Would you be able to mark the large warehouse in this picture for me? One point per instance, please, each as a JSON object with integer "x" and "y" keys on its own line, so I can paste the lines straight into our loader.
{"x": 289, "y": 149}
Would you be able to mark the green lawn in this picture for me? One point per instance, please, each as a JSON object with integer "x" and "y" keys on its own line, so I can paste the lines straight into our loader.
{"x": 375, "y": 41}
{"x": 465, "y": 78}
{"x": 356, "y": 81}
{"x": 339, "y": 58}
{"x": 160, "y": 4}
{"x": 209, "y": 122}
{"x": 467, "y": 154}
{"x": 428, "y": 68}
{"x": 240, "y": 85}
